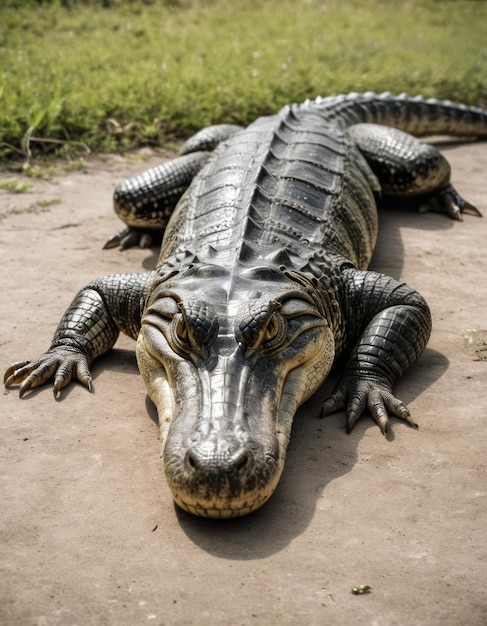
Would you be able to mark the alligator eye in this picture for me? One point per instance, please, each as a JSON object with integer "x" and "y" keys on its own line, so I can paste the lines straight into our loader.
{"x": 262, "y": 327}
{"x": 272, "y": 329}
{"x": 180, "y": 334}
{"x": 194, "y": 328}
{"x": 275, "y": 332}
{"x": 181, "y": 329}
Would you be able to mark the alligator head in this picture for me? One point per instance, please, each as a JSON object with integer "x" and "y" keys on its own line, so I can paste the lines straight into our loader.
{"x": 227, "y": 359}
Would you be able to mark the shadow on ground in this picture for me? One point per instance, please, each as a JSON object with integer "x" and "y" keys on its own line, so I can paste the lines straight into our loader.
{"x": 320, "y": 451}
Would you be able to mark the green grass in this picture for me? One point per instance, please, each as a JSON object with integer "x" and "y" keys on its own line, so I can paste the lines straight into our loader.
{"x": 14, "y": 186}
{"x": 47, "y": 203}
{"x": 81, "y": 76}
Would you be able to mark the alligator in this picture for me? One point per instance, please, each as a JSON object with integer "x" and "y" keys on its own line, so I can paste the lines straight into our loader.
{"x": 262, "y": 285}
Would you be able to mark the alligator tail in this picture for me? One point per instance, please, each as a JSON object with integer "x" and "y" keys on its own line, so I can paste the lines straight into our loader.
{"x": 413, "y": 114}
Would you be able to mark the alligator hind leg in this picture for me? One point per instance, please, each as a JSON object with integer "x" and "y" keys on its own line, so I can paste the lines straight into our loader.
{"x": 408, "y": 167}
{"x": 146, "y": 201}
{"x": 208, "y": 138}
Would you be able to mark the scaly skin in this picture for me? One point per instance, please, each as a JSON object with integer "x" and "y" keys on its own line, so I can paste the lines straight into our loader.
{"x": 262, "y": 283}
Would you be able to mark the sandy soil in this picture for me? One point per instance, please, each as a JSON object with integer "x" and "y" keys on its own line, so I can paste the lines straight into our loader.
{"x": 89, "y": 532}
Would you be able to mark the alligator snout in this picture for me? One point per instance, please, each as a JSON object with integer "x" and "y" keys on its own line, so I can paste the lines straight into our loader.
{"x": 220, "y": 475}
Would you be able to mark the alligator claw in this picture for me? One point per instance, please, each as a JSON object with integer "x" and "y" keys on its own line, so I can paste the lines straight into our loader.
{"x": 64, "y": 366}
{"x": 13, "y": 374}
{"x": 130, "y": 237}
{"x": 357, "y": 395}
{"x": 449, "y": 202}
{"x": 471, "y": 210}
{"x": 115, "y": 240}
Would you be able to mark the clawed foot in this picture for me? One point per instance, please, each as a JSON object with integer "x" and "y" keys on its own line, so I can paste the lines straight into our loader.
{"x": 130, "y": 237}
{"x": 357, "y": 395}
{"x": 449, "y": 202}
{"x": 64, "y": 365}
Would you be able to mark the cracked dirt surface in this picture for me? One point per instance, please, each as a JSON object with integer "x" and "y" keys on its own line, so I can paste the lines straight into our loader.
{"x": 89, "y": 532}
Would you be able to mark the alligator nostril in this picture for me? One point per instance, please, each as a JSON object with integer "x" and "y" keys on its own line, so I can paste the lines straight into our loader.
{"x": 205, "y": 458}
{"x": 241, "y": 464}
{"x": 194, "y": 460}
{"x": 241, "y": 459}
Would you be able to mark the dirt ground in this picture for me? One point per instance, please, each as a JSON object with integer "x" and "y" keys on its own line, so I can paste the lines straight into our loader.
{"x": 89, "y": 532}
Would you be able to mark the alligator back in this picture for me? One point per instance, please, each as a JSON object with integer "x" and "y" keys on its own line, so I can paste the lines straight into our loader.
{"x": 295, "y": 183}
{"x": 285, "y": 183}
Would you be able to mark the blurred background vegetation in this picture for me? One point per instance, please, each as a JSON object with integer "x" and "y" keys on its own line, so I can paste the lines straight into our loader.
{"x": 115, "y": 74}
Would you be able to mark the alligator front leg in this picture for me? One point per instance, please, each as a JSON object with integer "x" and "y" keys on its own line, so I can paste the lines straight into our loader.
{"x": 390, "y": 329}
{"x": 408, "y": 167}
{"x": 89, "y": 328}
